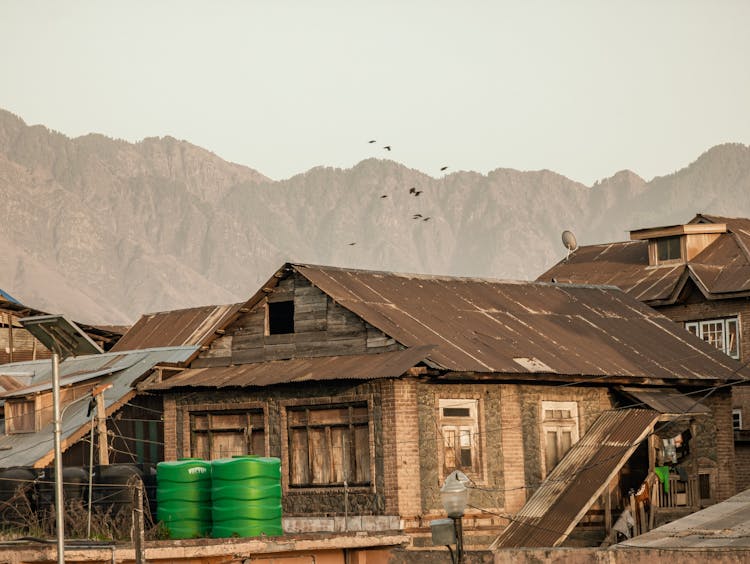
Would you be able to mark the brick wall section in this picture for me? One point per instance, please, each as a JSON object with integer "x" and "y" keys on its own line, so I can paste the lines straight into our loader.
{"x": 170, "y": 428}
{"x": 742, "y": 466}
{"x": 401, "y": 449}
{"x": 514, "y": 473}
{"x": 720, "y": 404}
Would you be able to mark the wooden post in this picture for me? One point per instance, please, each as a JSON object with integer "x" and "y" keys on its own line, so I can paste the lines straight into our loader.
{"x": 101, "y": 428}
{"x": 654, "y": 502}
{"x": 608, "y": 510}
{"x": 139, "y": 544}
{"x": 634, "y": 513}
{"x": 10, "y": 338}
{"x": 696, "y": 489}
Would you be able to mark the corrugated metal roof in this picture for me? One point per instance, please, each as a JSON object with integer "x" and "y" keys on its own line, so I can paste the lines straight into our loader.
{"x": 26, "y": 449}
{"x": 483, "y": 325}
{"x": 666, "y": 400}
{"x": 725, "y": 525}
{"x": 352, "y": 367}
{"x": 721, "y": 270}
{"x": 182, "y": 327}
{"x": 581, "y": 476}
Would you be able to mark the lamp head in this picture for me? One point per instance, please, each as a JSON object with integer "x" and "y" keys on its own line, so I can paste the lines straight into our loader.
{"x": 455, "y": 494}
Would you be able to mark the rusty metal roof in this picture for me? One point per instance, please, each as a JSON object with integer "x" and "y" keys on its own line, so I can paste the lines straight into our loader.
{"x": 575, "y": 483}
{"x": 481, "y": 325}
{"x": 666, "y": 400}
{"x": 352, "y": 367}
{"x": 182, "y": 327}
{"x": 721, "y": 270}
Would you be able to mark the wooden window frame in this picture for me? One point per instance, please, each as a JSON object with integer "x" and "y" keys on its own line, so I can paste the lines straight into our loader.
{"x": 546, "y": 425}
{"x": 697, "y": 327}
{"x": 12, "y": 417}
{"x": 322, "y": 404}
{"x": 217, "y": 408}
{"x": 737, "y": 417}
{"x": 460, "y": 423}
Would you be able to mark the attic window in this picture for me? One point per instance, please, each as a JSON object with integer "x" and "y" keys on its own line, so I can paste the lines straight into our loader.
{"x": 280, "y": 317}
{"x": 668, "y": 249}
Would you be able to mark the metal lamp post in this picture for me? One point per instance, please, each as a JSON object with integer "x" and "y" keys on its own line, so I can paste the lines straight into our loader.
{"x": 455, "y": 495}
{"x": 64, "y": 338}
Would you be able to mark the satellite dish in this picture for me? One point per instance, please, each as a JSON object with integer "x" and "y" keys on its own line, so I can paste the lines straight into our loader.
{"x": 569, "y": 240}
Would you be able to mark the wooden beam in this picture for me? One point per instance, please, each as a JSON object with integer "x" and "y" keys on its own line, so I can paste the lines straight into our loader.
{"x": 101, "y": 429}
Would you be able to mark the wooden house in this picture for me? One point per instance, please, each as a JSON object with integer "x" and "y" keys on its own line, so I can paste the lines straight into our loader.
{"x": 697, "y": 274}
{"x": 555, "y": 400}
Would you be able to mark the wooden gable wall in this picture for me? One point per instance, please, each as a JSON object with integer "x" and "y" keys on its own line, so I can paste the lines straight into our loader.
{"x": 321, "y": 328}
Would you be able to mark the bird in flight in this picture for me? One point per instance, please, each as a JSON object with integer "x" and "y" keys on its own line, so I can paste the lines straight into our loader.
{"x": 387, "y": 147}
{"x": 383, "y": 196}
{"x": 412, "y": 190}
{"x": 426, "y": 219}
{"x": 417, "y": 192}
{"x": 442, "y": 168}
{"x": 372, "y": 140}
{"x": 416, "y": 216}
{"x": 352, "y": 244}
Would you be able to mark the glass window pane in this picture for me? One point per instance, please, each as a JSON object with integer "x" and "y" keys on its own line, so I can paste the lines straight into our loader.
{"x": 732, "y": 347}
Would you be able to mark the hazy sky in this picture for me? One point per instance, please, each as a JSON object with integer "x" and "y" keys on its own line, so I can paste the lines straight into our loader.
{"x": 585, "y": 88}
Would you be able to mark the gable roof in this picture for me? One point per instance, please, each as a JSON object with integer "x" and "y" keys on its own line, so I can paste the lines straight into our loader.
{"x": 195, "y": 326}
{"x": 722, "y": 270}
{"x": 522, "y": 328}
{"x": 122, "y": 370}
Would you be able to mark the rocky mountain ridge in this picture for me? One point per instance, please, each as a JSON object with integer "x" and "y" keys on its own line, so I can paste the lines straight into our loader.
{"x": 105, "y": 230}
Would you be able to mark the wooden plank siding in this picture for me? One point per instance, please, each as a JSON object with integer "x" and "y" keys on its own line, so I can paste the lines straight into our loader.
{"x": 321, "y": 328}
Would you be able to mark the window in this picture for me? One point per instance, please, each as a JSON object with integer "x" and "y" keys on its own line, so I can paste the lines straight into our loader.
{"x": 459, "y": 430}
{"x": 20, "y": 416}
{"x": 737, "y": 419}
{"x": 721, "y": 333}
{"x": 668, "y": 248}
{"x": 280, "y": 317}
{"x": 226, "y": 433}
{"x": 329, "y": 445}
{"x": 559, "y": 431}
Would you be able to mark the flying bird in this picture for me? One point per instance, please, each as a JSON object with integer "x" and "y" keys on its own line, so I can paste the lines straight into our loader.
{"x": 372, "y": 141}
{"x": 412, "y": 190}
{"x": 387, "y": 147}
{"x": 352, "y": 244}
{"x": 416, "y": 216}
{"x": 417, "y": 192}
{"x": 383, "y": 196}
{"x": 426, "y": 219}
{"x": 442, "y": 168}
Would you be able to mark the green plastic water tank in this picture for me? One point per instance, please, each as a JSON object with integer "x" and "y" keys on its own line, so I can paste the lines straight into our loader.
{"x": 183, "y": 495}
{"x": 246, "y": 496}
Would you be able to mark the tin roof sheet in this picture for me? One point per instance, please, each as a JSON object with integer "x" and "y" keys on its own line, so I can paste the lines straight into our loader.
{"x": 183, "y": 327}
{"x": 366, "y": 366}
{"x": 481, "y": 325}
{"x": 26, "y": 449}
{"x": 574, "y": 484}
{"x": 721, "y": 270}
{"x": 666, "y": 400}
{"x": 725, "y": 525}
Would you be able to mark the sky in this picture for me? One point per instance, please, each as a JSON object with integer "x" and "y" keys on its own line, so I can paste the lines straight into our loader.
{"x": 584, "y": 88}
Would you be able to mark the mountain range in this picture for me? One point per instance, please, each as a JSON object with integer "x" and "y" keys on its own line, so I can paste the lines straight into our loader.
{"x": 104, "y": 230}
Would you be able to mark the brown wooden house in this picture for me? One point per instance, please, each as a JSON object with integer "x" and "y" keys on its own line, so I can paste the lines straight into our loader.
{"x": 372, "y": 386}
{"x": 697, "y": 274}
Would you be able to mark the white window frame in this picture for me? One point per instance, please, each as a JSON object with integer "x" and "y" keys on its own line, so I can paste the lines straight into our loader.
{"x": 737, "y": 417}
{"x": 702, "y": 328}
{"x": 558, "y": 425}
{"x": 464, "y": 429}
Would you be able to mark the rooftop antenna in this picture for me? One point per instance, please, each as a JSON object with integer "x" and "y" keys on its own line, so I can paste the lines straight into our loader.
{"x": 569, "y": 240}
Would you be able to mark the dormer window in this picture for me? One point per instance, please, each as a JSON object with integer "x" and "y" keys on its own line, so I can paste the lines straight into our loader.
{"x": 668, "y": 249}
{"x": 281, "y": 317}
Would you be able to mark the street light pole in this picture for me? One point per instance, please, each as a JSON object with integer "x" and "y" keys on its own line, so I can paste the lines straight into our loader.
{"x": 455, "y": 495}
{"x": 58, "y": 459}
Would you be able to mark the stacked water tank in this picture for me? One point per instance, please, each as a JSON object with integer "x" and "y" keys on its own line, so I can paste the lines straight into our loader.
{"x": 246, "y": 494}
{"x": 183, "y": 494}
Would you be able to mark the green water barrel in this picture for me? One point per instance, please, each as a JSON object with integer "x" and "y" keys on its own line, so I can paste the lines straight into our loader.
{"x": 183, "y": 496}
{"x": 246, "y": 496}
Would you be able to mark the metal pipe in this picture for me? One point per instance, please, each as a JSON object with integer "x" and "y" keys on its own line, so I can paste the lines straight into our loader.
{"x": 58, "y": 460}
{"x": 91, "y": 476}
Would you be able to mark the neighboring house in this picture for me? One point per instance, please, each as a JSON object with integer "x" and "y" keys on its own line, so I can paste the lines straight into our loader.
{"x": 698, "y": 275}
{"x": 372, "y": 386}
{"x": 17, "y": 344}
{"x": 132, "y": 428}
